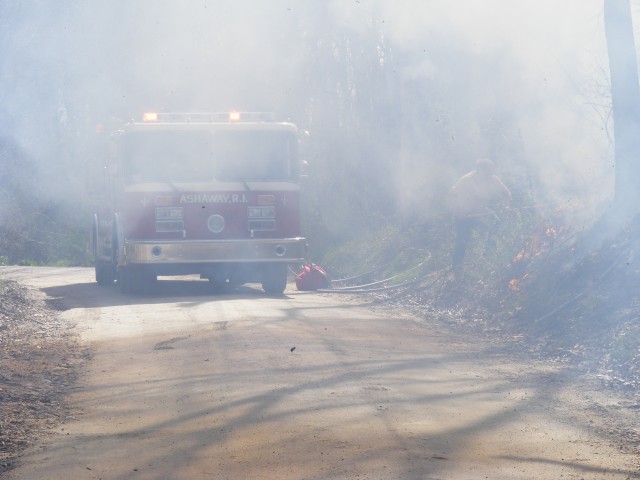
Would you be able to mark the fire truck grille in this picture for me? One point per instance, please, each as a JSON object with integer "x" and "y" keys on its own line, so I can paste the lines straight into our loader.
{"x": 262, "y": 225}
{"x": 169, "y": 226}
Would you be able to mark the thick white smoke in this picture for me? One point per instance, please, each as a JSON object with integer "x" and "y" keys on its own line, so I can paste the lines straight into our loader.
{"x": 523, "y": 82}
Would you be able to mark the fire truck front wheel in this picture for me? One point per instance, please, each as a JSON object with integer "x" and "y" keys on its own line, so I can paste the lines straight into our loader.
{"x": 105, "y": 273}
{"x": 274, "y": 279}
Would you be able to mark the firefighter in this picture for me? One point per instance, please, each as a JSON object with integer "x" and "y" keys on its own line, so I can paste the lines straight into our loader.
{"x": 472, "y": 200}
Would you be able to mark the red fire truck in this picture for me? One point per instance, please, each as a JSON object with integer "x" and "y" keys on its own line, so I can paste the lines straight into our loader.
{"x": 210, "y": 194}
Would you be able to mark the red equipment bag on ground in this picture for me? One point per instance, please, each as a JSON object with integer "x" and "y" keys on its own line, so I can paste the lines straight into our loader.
{"x": 312, "y": 277}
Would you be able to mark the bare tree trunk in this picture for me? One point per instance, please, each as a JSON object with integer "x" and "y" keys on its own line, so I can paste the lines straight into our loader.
{"x": 625, "y": 95}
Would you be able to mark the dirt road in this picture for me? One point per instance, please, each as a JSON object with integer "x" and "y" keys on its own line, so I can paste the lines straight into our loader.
{"x": 186, "y": 384}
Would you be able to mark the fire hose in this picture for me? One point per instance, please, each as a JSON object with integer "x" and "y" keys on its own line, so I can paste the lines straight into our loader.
{"x": 362, "y": 275}
{"x": 374, "y": 286}
{"x": 370, "y": 290}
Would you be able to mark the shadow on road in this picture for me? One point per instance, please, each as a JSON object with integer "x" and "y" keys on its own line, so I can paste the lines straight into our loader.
{"x": 352, "y": 424}
{"x": 91, "y": 295}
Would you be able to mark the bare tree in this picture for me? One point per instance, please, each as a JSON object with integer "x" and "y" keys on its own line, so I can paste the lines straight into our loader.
{"x": 625, "y": 94}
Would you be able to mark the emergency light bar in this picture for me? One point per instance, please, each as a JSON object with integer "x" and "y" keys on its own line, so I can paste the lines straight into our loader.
{"x": 150, "y": 117}
{"x": 215, "y": 117}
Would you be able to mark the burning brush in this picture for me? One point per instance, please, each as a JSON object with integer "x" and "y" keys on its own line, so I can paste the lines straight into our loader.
{"x": 542, "y": 240}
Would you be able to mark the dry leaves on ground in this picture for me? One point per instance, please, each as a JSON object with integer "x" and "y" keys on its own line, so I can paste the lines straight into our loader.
{"x": 39, "y": 364}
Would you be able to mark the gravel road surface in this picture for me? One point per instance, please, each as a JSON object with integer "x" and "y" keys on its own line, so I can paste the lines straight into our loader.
{"x": 186, "y": 383}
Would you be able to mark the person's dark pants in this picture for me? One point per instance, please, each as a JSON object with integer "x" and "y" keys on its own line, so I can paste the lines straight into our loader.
{"x": 463, "y": 229}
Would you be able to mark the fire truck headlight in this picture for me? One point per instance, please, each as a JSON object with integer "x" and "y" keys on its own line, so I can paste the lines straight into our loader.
{"x": 169, "y": 213}
{"x": 261, "y": 212}
{"x": 215, "y": 223}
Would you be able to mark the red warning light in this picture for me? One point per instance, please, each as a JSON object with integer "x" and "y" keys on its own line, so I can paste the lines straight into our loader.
{"x": 150, "y": 117}
{"x": 234, "y": 116}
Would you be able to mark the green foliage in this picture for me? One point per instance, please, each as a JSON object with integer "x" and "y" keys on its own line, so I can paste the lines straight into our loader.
{"x": 44, "y": 235}
{"x": 395, "y": 248}
{"x": 389, "y": 248}
{"x": 28, "y": 262}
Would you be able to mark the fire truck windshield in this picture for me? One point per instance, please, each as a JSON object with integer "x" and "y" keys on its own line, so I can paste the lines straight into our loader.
{"x": 203, "y": 155}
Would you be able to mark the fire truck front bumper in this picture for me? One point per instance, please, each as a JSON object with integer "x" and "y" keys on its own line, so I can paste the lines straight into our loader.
{"x": 287, "y": 250}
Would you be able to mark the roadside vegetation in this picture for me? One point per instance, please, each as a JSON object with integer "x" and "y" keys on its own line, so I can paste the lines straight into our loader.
{"x": 547, "y": 287}
{"x": 41, "y": 360}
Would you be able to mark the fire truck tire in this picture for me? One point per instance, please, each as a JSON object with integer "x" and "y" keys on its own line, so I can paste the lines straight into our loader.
{"x": 105, "y": 274}
{"x": 275, "y": 279}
